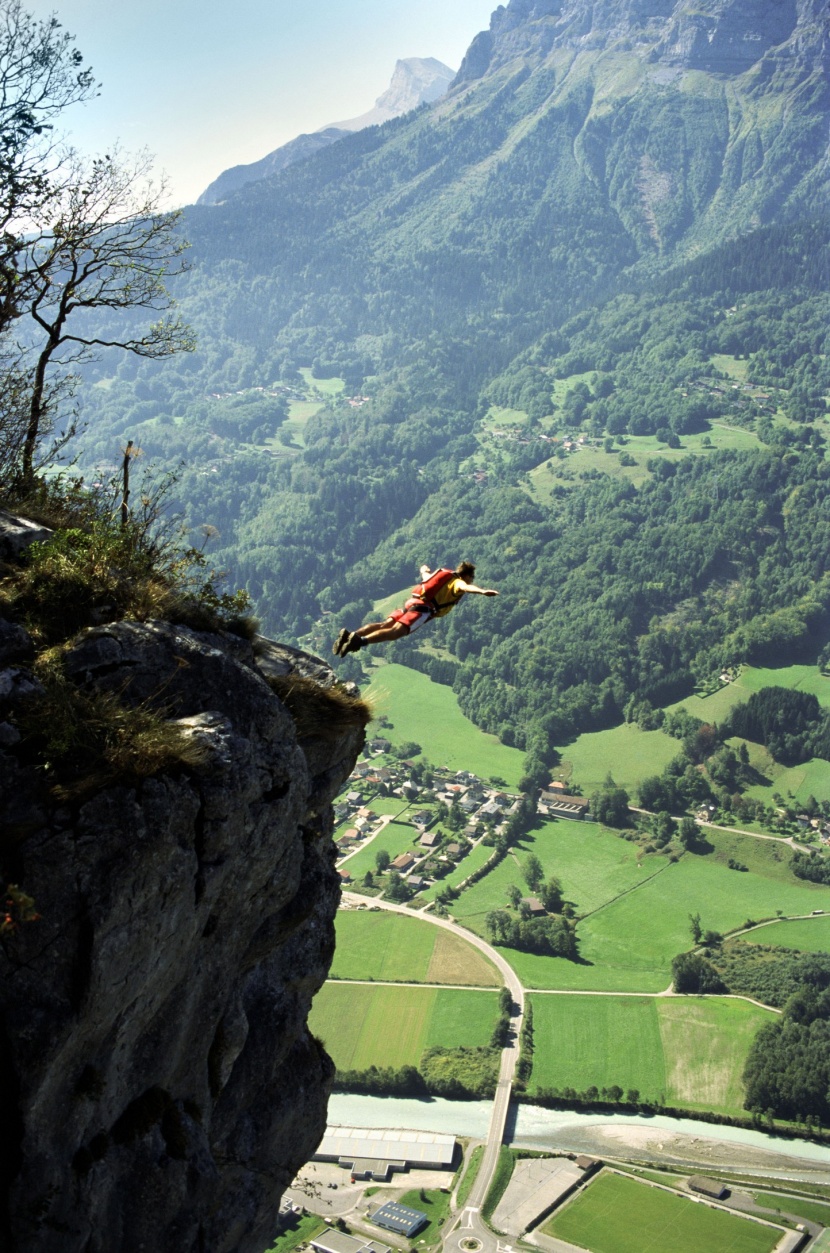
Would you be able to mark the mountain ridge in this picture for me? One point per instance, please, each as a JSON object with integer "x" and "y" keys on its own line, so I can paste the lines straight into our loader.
{"x": 415, "y": 81}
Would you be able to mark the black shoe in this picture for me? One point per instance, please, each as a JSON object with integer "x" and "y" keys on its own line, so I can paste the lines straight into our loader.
{"x": 352, "y": 645}
{"x": 337, "y": 647}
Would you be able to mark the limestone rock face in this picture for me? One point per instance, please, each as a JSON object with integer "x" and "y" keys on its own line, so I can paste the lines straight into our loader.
{"x": 718, "y": 36}
{"x": 160, "y": 1086}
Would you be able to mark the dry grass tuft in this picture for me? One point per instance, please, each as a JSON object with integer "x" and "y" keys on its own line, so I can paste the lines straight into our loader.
{"x": 88, "y": 740}
{"x": 320, "y": 712}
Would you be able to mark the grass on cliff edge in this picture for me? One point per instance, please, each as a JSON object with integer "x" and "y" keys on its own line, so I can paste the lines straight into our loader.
{"x": 93, "y": 570}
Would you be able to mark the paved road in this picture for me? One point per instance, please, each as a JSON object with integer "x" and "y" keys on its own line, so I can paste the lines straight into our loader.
{"x": 471, "y": 1224}
{"x": 713, "y": 826}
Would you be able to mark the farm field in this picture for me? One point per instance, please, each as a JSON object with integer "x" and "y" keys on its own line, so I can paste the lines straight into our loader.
{"x": 617, "y": 1214}
{"x": 428, "y": 713}
{"x": 593, "y": 864}
{"x": 396, "y": 837}
{"x": 810, "y": 935}
{"x": 383, "y": 945}
{"x": 685, "y": 1051}
{"x": 627, "y": 752}
{"x": 810, "y": 778}
{"x": 364, "y": 1026}
{"x": 751, "y": 679}
{"x": 627, "y": 944}
{"x": 599, "y": 1040}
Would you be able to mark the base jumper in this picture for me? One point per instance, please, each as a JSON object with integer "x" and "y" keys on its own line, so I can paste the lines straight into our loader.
{"x": 437, "y": 593}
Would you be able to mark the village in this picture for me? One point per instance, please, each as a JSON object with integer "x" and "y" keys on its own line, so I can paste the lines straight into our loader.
{"x": 439, "y": 816}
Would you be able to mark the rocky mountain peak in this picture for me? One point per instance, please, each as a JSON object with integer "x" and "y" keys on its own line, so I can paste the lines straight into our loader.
{"x": 719, "y": 36}
{"x": 415, "y": 81}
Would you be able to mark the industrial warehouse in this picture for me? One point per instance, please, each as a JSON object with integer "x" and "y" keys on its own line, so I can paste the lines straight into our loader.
{"x": 373, "y": 1153}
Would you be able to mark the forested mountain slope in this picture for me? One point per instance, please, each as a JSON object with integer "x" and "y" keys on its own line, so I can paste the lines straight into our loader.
{"x": 553, "y": 237}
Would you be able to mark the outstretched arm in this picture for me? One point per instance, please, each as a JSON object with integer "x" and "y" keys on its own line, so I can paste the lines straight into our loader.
{"x": 478, "y": 591}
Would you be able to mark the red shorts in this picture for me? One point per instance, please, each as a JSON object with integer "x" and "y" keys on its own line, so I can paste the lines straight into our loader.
{"x": 413, "y": 616}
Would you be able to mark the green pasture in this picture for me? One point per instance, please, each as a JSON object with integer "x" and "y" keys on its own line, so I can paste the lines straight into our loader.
{"x": 379, "y": 944}
{"x": 751, "y": 679}
{"x": 618, "y": 1214}
{"x": 428, "y": 713}
{"x": 474, "y": 859}
{"x": 736, "y": 369}
{"x": 706, "y": 1041}
{"x": 627, "y": 944}
{"x": 500, "y": 416}
{"x": 396, "y": 837}
{"x": 593, "y": 864}
{"x": 684, "y": 1051}
{"x": 382, "y": 945}
{"x": 810, "y": 778}
{"x": 326, "y": 387}
{"x": 640, "y": 933}
{"x": 809, "y": 935}
{"x": 601, "y": 1040}
{"x": 363, "y": 1025}
{"x": 625, "y": 752}
{"x": 557, "y": 471}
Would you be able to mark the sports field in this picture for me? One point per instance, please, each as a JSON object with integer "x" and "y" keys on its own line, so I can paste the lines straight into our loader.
{"x": 364, "y": 1026}
{"x": 684, "y": 1051}
{"x": 617, "y": 1214}
{"x": 383, "y": 945}
{"x": 810, "y": 935}
{"x": 428, "y": 713}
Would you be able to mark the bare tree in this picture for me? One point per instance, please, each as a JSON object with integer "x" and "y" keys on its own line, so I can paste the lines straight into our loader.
{"x": 41, "y": 74}
{"x": 107, "y": 247}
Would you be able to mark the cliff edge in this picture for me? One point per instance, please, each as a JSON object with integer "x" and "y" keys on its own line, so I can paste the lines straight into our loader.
{"x": 160, "y": 1085}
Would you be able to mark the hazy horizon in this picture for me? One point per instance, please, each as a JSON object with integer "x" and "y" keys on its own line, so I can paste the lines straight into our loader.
{"x": 207, "y": 89}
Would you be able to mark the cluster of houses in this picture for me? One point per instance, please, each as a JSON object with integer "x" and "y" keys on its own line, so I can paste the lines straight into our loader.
{"x": 478, "y": 807}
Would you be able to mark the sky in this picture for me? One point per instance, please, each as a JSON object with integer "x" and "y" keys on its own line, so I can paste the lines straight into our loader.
{"x": 205, "y": 86}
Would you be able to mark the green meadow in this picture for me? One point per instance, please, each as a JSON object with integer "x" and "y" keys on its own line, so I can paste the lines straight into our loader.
{"x": 627, "y": 753}
{"x": 593, "y": 864}
{"x": 810, "y": 778}
{"x": 363, "y": 1025}
{"x": 627, "y": 943}
{"x": 617, "y": 1214}
{"x": 684, "y": 1051}
{"x": 379, "y": 944}
{"x": 810, "y": 935}
{"x": 561, "y": 472}
{"x": 751, "y": 679}
{"x": 428, "y": 713}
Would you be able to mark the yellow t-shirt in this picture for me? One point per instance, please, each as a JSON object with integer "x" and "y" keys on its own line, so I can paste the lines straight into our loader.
{"x": 448, "y": 596}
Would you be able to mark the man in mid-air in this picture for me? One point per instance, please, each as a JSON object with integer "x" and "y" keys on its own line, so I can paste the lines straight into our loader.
{"x": 437, "y": 593}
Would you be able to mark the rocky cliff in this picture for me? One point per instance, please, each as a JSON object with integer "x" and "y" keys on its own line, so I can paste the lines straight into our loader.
{"x": 160, "y": 1086}
{"x": 716, "y": 36}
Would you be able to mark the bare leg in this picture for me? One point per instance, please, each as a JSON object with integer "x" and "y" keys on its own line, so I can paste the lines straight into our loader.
{"x": 380, "y": 632}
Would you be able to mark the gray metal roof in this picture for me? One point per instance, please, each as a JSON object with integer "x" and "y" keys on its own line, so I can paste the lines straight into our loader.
{"x": 333, "y": 1241}
{"x": 386, "y": 1144}
{"x": 400, "y": 1218}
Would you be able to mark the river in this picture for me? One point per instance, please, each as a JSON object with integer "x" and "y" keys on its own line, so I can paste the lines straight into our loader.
{"x": 658, "y": 1139}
